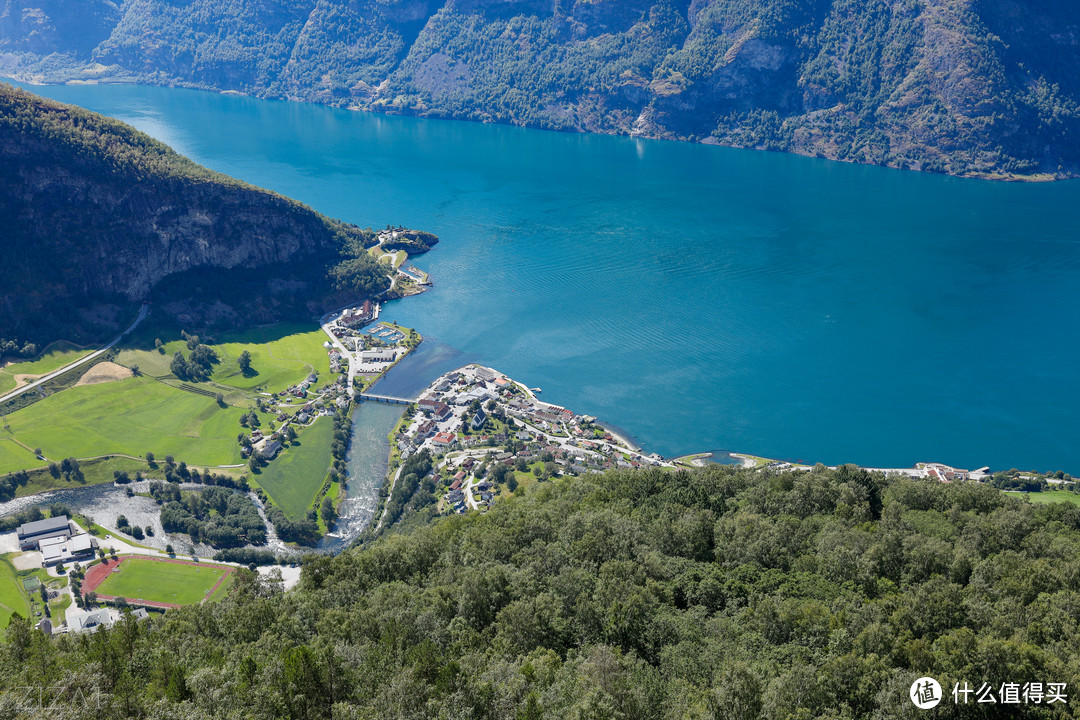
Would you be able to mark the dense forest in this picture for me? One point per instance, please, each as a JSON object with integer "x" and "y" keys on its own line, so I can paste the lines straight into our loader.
{"x": 976, "y": 87}
{"x": 217, "y": 516}
{"x": 717, "y": 593}
{"x": 98, "y": 216}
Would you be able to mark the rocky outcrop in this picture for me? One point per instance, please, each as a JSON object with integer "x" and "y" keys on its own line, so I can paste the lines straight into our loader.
{"x": 94, "y": 209}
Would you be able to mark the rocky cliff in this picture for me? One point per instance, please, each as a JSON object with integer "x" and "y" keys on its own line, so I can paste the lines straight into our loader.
{"x": 969, "y": 87}
{"x": 94, "y": 209}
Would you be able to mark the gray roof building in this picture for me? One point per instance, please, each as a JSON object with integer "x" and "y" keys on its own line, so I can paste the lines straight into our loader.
{"x": 32, "y": 533}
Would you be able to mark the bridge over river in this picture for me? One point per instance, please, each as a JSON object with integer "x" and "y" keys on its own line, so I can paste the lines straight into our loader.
{"x": 364, "y": 397}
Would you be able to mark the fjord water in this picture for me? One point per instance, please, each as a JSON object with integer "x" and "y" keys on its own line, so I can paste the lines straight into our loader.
{"x": 698, "y": 297}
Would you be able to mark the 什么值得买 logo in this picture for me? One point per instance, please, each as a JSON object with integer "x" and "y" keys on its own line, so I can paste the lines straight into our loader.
{"x": 925, "y": 693}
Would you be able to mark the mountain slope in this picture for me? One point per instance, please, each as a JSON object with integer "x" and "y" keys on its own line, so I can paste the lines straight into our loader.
{"x": 718, "y": 594}
{"x": 95, "y": 210}
{"x": 980, "y": 87}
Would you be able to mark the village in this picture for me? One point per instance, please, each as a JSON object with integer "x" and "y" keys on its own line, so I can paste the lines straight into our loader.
{"x": 358, "y": 351}
{"x": 485, "y": 430}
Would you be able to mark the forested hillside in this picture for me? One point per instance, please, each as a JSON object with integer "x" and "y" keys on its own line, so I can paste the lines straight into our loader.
{"x": 983, "y": 87}
{"x": 96, "y": 215}
{"x": 719, "y": 593}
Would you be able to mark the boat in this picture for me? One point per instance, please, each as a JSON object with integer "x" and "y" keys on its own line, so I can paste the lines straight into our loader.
{"x": 536, "y": 389}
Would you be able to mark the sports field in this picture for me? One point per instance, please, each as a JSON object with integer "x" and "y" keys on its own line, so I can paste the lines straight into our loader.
{"x": 154, "y": 580}
{"x": 296, "y": 476}
{"x": 12, "y": 599}
{"x": 130, "y": 416}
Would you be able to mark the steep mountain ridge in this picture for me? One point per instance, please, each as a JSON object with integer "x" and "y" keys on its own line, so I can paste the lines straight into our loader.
{"x": 969, "y": 87}
{"x": 95, "y": 210}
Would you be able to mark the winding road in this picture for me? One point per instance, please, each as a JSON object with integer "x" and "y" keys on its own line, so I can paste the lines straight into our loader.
{"x": 81, "y": 361}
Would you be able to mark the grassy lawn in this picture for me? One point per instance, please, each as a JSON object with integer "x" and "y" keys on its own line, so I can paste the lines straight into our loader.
{"x": 54, "y": 357}
{"x": 1049, "y": 496}
{"x": 129, "y": 417}
{"x": 281, "y": 355}
{"x": 15, "y": 457}
{"x": 12, "y": 599}
{"x": 297, "y": 475}
{"x": 95, "y": 471}
{"x": 159, "y": 581}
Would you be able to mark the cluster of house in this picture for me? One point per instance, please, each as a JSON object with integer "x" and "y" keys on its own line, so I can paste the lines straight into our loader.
{"x": 267, "y": 446}
{"x": 453, "y": 420}
{"x": 945, "y": 473}
{"x": 346, "y": 330}
{"x": 300, "y": 390}
{"x": 58, "y": 539}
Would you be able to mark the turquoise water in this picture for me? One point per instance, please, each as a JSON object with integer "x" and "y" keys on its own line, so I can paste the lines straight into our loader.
{"x": 368, "y": 458}
{"x": 698, "y": 297}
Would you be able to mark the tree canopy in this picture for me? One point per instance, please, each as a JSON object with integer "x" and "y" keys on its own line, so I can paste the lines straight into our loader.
{"x": 714, "y": 593}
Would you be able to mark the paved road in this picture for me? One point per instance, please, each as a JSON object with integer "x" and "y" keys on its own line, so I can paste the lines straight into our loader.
{"x": 82, "y": 361}
{"x": 346, "y": 353}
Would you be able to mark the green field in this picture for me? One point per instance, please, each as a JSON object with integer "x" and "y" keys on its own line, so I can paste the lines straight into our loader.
{"x": 12, "y": 599}
{"x": 159, "y": 581}
{"x": 54, "y": 357}
{"x": 1049, "y": 496}
{"x": 15, "y": 457}
{"x": 281, "y": 355}
{"x": 95, "y": 471}
{"x": 294, "y": 479}
{"x": 130, "y": 417}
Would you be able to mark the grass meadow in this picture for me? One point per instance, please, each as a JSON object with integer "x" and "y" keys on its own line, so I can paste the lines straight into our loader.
{"x": 1049, "y": 496}
{"x": 281, "y": 355}
{"x": 54, "y": 357}
{"x": 131, "y": 416}
{"x": 297, "y": 475}
{"x": 12, "y": 599}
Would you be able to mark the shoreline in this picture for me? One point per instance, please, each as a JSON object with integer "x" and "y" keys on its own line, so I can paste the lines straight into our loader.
{"x": 27, "y": 77}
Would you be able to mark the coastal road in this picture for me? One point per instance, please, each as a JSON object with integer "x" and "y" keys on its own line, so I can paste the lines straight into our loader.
{"x": 82, "y": 361}
{"x": 563, "y": 443}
